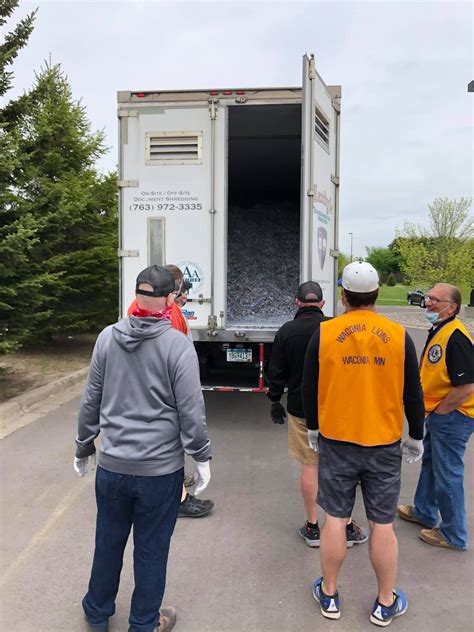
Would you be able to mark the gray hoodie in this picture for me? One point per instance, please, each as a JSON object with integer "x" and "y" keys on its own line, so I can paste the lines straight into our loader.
{"x": 143, "y": 395}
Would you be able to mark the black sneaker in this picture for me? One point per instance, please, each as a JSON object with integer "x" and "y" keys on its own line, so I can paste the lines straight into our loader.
{"x": 310, "y": 534}
{"x": 193, "y": 507}
{"x": 355, "y": 534}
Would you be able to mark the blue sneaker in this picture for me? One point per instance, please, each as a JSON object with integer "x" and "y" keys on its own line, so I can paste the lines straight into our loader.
{"x": 329, "y": 605}
{"x": 383, "y": 616}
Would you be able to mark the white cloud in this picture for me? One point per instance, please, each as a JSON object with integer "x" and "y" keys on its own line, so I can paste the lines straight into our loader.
{"x": 404, "y": 68}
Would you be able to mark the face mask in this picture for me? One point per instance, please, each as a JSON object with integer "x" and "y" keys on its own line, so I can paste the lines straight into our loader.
{"x": 433, "y": 317}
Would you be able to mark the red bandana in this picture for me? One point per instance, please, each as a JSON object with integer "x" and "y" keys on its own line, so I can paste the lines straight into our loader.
{"x": 144, "y": 313}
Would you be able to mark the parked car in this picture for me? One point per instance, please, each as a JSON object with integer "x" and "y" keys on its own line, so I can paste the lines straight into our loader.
{"x": 417, "y": 297}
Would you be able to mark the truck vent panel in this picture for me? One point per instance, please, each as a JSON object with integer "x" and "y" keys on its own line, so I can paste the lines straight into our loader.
{"x": 173, "y": 148}
{"x": 321, "y": 127}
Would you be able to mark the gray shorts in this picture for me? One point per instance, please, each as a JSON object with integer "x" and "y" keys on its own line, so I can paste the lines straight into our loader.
{"x": 343, "y": 465}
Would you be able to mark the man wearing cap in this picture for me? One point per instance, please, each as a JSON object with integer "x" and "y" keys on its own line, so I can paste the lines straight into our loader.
{"x": 447, "y": 377}
{"x": 285, "y": 368}
{"x": 190, "y": 506}
{"x": 360, "y": 374}
{"x": 143, "y": 396}
{"x": 178, "y": 321}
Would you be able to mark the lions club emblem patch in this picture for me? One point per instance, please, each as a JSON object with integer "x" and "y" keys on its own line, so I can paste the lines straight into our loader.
{"x": 435, "y": 354}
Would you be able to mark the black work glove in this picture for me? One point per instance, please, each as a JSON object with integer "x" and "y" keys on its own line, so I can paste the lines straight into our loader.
{"x": 278, "y": 413}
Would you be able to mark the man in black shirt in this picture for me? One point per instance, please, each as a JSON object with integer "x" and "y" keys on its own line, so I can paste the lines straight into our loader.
{"x": 286, "y": 369}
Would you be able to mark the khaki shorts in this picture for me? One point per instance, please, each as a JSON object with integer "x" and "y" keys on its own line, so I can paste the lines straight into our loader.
{"x": 298, "y": 447}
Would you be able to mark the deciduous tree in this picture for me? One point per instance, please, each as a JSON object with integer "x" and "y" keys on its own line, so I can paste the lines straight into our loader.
{"x": 442, "y": 252}
{"x": 385, "y": 260}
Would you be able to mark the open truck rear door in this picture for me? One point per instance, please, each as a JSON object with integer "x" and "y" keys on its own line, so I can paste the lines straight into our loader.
{"x": 320, "y": 182}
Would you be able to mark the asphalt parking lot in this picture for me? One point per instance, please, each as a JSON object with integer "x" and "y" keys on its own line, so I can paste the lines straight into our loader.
{"x": 242, "y": 568}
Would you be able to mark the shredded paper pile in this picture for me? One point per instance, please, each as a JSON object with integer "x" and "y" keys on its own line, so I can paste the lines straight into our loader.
{"x": 262, "y": 265}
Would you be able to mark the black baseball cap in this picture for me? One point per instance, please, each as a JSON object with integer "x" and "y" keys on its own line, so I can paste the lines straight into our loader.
{"x": 310, "y": 292}
{"x": 159, "y": 278}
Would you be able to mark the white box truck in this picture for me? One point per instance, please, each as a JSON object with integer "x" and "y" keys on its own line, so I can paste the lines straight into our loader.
{"x": 239, "y": 188}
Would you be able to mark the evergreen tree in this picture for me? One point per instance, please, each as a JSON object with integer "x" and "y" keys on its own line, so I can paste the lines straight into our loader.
{"x": 13, "y": 42}
{"x": 21, "y": 283}
{"x": 61, "y": 222}
{"x": 18, "y": 287}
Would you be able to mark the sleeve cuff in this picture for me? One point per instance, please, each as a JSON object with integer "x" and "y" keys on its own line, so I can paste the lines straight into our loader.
{"x": 82, "y": 451}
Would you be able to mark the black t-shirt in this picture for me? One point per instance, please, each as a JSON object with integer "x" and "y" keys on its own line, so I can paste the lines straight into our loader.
{"x": 460, "y": 359}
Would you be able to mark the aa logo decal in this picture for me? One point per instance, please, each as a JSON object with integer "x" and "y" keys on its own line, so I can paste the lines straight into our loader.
{"x": 193, "y": 273}
{"x": 435, "y": 354}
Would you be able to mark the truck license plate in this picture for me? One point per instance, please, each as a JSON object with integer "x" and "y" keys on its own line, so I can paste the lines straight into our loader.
{"x": 239, "y": 355}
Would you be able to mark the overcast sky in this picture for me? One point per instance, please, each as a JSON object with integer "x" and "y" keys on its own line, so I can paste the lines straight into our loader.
{"x": 403, "y": 66}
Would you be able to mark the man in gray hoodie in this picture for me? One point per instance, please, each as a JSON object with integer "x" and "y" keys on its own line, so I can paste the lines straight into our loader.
{"x": 143, "y": 396}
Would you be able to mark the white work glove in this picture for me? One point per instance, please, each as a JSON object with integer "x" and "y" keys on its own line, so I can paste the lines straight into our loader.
{"x": 81, "y": 465}
{"x": 412, "y": 449}
{"x": 313, "y": 437}
{"x": 202, "y": 476}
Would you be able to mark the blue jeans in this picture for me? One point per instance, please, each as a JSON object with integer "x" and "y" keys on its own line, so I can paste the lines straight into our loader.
{"x": 150, "y": 504}
{"x": 441, "y": 484}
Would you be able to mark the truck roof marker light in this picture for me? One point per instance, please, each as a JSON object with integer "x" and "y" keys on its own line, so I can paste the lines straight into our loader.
{"x": 240, "y": 92}
{"x": 140, "y": 95}
{"x": 227, "y": 92}
{"x": 213, "y": 93}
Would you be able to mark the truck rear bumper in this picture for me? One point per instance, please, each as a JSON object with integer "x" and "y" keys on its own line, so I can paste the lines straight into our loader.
{"x": 222, "y": 370}
{"x": 234, "y": 335}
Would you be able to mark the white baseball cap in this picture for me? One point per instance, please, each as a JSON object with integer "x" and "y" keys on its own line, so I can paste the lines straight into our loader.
{"x": 360, "y": 277}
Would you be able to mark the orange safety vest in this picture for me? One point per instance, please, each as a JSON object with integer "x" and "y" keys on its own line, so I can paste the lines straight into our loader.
{"x": 177, "y": 319}
{"x": 361, "y": 379}
{"x": 434, "y": 372}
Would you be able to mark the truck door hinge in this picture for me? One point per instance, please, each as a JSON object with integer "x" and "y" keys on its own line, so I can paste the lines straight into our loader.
{"x": 310, "y": 193}
{"x": 211, "y": 325}
{"x": 128, "y": 253}
{"x": 334, "y": 253}
{"x": 311, "y": 68}
{"x": 335, "y": 180}
{"x": 213, "y": 108}
{"x": 127, "y": 183}
{"x": 336, "y": 103}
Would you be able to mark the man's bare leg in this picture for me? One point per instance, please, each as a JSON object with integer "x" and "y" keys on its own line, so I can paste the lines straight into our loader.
{"x": 333, "y": 551}
{"x": 383, "y": 551}
{"x": 309, "y": 491}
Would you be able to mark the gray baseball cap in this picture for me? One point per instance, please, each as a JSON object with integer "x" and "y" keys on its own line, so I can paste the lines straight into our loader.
{"x": 310, "y": 292}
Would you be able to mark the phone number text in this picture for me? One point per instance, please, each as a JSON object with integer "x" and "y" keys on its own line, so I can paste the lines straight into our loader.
{"x": 166, "y": 207}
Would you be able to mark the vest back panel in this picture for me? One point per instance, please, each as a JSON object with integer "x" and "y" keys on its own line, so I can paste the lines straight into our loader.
{"x": 361, "y": 379}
